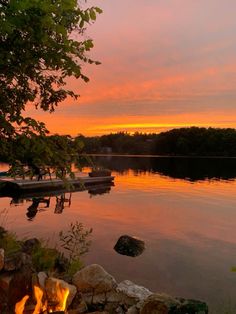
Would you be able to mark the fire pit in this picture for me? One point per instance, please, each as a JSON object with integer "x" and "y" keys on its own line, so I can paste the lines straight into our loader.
{"x": 56, "y": 305}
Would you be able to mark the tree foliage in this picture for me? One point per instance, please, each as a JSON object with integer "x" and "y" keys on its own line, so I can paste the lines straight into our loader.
{"x": 55, "y": 152}
{"x": 41, "y": 44}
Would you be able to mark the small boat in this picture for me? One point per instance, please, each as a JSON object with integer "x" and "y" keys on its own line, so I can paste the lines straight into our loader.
{"x": 100, "y": 173}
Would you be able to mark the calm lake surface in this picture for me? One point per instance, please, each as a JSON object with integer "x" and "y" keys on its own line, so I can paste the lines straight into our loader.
{"x": 184, "y": 210}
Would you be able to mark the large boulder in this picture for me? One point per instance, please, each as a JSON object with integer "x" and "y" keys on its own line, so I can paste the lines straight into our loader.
{"x": 16, "y": 261}
{"x": 159, "y": 304}
{"x": 192, "y": 306}
{"x": 94, "y": 279}
{"x": 164, "y": 304}
{"x": 130, "y": 246}
{"x": 14, "y": 286}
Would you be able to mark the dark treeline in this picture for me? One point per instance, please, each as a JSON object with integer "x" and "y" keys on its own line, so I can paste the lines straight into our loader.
{"x": 59, "y": 150}
{"x": 193, "y": 141}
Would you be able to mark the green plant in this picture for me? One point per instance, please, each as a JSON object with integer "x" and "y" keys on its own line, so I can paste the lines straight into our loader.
{"x": 75, "y": 241}
{"x": 44, "y": 258}
{"x": 8, "y": 242}
{"x": 74, "y": 266}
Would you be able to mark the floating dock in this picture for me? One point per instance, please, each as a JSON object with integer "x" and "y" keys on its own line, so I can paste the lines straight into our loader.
{"x": 12, "y": 186}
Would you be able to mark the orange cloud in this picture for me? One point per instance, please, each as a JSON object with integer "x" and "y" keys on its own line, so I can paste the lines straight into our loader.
{"x": 162, "y": 67}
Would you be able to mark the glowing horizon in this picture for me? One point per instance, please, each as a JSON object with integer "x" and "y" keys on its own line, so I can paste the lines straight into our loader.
{"x": 176, "y": 68}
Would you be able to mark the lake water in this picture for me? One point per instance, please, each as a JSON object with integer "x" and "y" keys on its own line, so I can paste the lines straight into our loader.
{"x": 184, "y": 210}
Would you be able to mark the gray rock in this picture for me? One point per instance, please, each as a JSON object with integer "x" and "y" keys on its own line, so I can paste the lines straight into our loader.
{"x": 132, "y": 291}
{"x": 51, "y": 287}
{"x": 16, "y": 261}
{"x": 15, "y": 285}
{"x": 42, "y": 276}
{"x": 94, "y": 279}
{"x": 163, "y": 304}
{"x": 13, "y": 262}
{"x": 159, "y": 304}
{"x": 126, "y": 293}
{"x": 114, "y": 308}
{"x": 5, "y": 280}
{"x": 1, "y": 259}
{"x": 130, "y": 246}
{"x": 133, "y": 310}
{"x": 192, "y": 306}
{"x": 80, "y": 308}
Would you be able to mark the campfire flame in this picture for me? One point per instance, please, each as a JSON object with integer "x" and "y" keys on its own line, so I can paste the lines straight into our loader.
{"x": 19, "y": 308}
{"x": 61, "y": 295}
{"x": 38, "y": 293}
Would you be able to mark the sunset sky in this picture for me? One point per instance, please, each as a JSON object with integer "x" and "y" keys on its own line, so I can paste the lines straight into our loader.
{"x": 165, "y": 64}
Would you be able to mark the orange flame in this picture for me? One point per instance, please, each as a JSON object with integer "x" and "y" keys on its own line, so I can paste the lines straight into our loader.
{"x": 19, "y": 308}
{"x": 38, "y": 293}
{"x": 62, "y": 295}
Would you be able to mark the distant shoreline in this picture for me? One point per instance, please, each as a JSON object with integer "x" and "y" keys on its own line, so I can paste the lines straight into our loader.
{"x": 161, "y": 156}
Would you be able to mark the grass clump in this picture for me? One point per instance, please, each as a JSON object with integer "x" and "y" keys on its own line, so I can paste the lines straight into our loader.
{"x": 9, "y": 242}
{"x": 44, "y": 258}
{"x": 74, "y": 243}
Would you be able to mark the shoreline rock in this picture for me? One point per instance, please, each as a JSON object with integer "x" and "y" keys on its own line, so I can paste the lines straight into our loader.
{"x": 127, "y": 297}
{"x": 129, "y": 246}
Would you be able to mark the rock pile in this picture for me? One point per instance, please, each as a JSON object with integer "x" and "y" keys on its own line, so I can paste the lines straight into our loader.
{"x": 100, "y": 291}
{"x": 91, "y": 290}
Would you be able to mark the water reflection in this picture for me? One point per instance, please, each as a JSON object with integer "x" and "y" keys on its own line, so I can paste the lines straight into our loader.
{"x": 184, "y": 210}
{"x": 33, "y": 209}
{"x": 100, "y": 190}
{"x": 62, "y": 201}
{"x": 41, "y": 201}
{"x": 191, "y": 169}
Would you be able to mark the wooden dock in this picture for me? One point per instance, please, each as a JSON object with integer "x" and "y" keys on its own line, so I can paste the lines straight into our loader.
{"x": 11, "y": 186}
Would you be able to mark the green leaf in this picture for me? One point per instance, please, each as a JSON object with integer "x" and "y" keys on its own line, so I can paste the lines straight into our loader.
{"x": 92, "y": 15}
{"x": 81, "y": 24}
{"x": 98, "y": 10}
